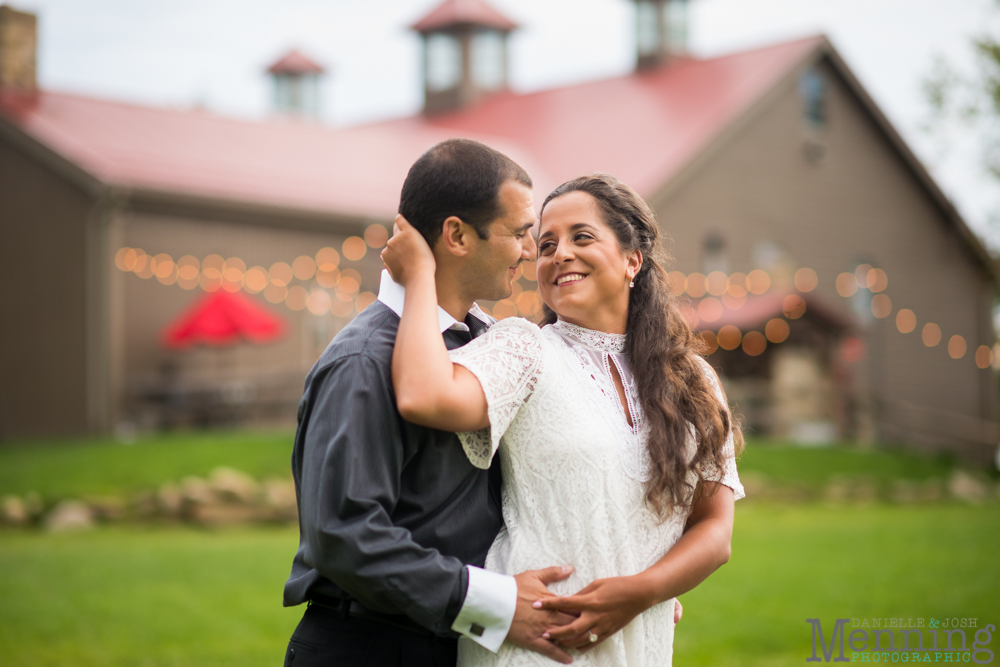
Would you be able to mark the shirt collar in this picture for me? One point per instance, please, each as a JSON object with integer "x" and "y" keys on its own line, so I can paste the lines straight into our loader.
{"x": 392, "y": 294}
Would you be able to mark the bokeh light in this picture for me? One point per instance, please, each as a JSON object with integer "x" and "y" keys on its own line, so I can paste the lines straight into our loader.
{"x": 364, "y": 300}
{"x": 342, "y": 308}
{"x": 690, "y": 316}
{"x": 515, "y": 290}
{"x": 125, "y": 259}
{"x": 861, "y": 275}
{"x": 881, "y": 306}
{"x": 734, "y": 302}
{"x": 166, "y": 270}
{"x": 530, "y": 271}
{"x": 711, "y": 341}
{"x": 145, "y": 267}
{"x": 729, "y": 337}
{"x": 212, "y": 266}
{"x": 710, "y": 309}
{"x": 328, "y": 279}
{"x": 777, "y": 330}
{"x": 528, "y": 303}
{"x": 847, "y": 285}
{"x": 695, "y": 286}
{"x": 754, "y": 343}
{"x": 327, "y": 259}
{"x": 931, "y": 334}
{"x": 375, "y": 236}
{"x": 304, "y": 267}
{"x": 737, "y": 285}
{"x": 318, "y": 301}
{"x": 877, "y": 280}
{"x": 984, "y": 356}
{"x": 806, "y": 280}
{"x": 676, "y": 280}
{"x": 793, "y": 306}
{"x": 758, "y": 281}
{"x": 297, "y": 297}
{"x": 906, "y": 320}
{"x": 275, "y": 293}
{"x": 354, "y": 248}
{"x": 504, "y": 309}
{"x": 957, "y": 347}
{"x": 716, "y": 283}
{"x": 280, "y": 274}
{"x": 255, "y": 279}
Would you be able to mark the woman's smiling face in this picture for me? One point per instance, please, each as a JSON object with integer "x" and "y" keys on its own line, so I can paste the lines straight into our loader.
{"x": 583, "y": 274}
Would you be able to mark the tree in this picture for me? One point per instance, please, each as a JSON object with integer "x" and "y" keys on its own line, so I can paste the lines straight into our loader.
{"x": 972, "y": 98}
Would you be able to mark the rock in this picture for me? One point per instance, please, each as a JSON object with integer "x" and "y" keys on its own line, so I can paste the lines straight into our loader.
{"x": 904, "y": 491}
{"x": 233, "y": 485}
{"x": 170, "y": 499}
{"x": 279, "y": 498}
{"x": 106, "y": 508}
{"x": 14, "y": 511}
{"x": 195, "y": 490}
{"x": 219, "y": 514}
{"x": 963, "y": 486}
{"x": 930, "y": 490}
{"x": 33, "y": 503}
{"x": 69, "y": 515}
{"x": 755, "y": 484}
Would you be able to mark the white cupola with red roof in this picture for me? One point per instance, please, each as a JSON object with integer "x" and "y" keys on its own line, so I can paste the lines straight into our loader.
{"x": 661, "y": 31}
{"x": 465, "y": 53}
{"x": 296, "y": 85}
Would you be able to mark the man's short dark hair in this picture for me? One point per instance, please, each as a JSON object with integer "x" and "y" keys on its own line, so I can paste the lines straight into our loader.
{"x": 461, "y": 178}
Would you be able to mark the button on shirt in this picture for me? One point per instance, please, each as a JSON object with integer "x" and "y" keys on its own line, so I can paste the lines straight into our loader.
{"x": 393, "y": 514}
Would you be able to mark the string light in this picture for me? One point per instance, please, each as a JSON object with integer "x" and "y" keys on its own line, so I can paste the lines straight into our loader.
{"x": 337, "y": 290}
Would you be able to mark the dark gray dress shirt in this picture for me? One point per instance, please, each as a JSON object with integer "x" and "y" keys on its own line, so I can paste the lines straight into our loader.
{"x": 389, "y": 512}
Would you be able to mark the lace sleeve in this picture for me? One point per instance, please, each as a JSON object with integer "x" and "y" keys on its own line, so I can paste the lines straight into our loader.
{"x": 507, "y": 360}
{"x": 728, "y": 474}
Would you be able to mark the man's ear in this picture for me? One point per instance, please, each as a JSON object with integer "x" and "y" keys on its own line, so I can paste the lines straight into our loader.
{"x": 456, "y": 237}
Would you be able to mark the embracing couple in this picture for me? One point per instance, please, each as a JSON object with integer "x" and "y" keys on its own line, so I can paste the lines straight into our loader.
{"x": 509, "y": 493}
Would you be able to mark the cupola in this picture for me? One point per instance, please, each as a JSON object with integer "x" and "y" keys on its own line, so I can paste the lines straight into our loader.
{"x": 661, "y": 31}
{"x": 296, "y": 85}
{"x": 464, "y": 53}
{"x": 18, "y": 48}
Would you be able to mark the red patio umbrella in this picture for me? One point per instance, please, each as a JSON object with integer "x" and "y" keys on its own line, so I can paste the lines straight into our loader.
{"x": 223, "y": 318}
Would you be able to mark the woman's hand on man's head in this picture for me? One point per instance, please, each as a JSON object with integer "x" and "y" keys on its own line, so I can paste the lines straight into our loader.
{"x": 407, "y": 254}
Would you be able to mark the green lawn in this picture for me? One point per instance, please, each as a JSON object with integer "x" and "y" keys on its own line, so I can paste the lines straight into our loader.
{"x": 99, "y": 467}
{"x": 181, "y": 596}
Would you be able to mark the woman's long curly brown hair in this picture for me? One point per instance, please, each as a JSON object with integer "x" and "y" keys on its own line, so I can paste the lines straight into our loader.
{"x": 662, "y": 353}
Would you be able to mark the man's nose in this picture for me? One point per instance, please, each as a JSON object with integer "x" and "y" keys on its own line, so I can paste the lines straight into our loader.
{"x": 529, "y": 250}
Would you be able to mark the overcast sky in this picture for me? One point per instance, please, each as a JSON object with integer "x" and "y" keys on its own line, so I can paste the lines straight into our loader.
{"x": 214, "y": 52}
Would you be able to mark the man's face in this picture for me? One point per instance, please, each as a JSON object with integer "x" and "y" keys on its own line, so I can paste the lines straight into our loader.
{"x": 493, "y": 262}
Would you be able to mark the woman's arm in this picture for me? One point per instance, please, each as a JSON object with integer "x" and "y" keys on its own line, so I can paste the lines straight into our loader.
{"x": 430, "y": 390}
{"x": 608, "y": 605}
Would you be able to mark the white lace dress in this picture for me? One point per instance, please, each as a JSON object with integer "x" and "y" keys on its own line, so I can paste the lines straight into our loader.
{"x": 574, "y": 473}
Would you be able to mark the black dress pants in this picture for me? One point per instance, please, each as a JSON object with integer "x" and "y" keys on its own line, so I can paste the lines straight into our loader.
{"x": 325, "y": 638}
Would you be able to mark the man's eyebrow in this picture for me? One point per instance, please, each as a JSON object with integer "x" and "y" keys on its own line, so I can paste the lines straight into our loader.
{"x": 525, "y": 227}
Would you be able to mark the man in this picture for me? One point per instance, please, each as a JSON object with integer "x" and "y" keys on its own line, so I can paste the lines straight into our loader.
{"x": 394, "y": 521}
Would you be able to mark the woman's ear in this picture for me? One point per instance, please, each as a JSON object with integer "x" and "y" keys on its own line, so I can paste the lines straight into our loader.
{"x": 634, "y": 263}
{"x": 455, "y": 236}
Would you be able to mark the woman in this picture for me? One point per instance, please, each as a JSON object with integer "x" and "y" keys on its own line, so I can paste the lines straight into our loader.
{"x": 616, "y": 444}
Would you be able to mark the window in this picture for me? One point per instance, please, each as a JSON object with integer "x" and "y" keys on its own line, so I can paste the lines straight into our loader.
{"x": 488, "y": 60}
{"x": 675, "y": 28}
{"x": 812, "y": 87}
{"x": 444, "y": 62}
{"x": 647, "y": 27}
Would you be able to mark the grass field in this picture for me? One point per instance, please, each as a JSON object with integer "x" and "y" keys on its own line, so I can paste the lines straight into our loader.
{"x": 99, "y": 467}
{"x": 181, "y": 596}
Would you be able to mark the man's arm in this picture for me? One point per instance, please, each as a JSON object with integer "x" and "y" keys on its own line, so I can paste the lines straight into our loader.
{"x": 352, "y": 463}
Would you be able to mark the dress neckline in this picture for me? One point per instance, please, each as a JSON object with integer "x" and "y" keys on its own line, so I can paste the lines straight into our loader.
{"x": 596, "y": 340}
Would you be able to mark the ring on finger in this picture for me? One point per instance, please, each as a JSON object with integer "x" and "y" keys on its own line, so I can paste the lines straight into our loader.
{"x": 592, "y": 637}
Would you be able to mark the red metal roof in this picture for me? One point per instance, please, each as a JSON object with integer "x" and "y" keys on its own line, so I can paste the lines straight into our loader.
{"x": 295, "y": 62}
{"x": 464, "y": 12}
{"x": 641, "y": 127}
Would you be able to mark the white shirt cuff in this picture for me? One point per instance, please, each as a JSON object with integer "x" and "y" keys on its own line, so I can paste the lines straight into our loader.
{"x": 488, "y": 609}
